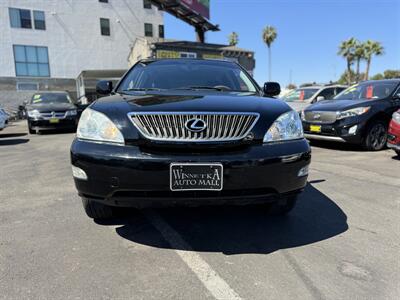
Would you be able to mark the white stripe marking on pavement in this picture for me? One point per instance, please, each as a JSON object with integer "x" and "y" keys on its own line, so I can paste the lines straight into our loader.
{"x": 208, "y": 277}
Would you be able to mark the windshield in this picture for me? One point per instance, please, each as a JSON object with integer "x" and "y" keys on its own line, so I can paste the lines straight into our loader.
{"x": 51, "y": 98}
{"x": 300, "y": 95}
{"x": 191, "y": 75}
{"x": 367, "y": 91}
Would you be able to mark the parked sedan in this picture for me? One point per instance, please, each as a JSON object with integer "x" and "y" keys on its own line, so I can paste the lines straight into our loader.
{"x": 3, "y": 119}
{"x": 300, "y": 98}
{"x": 188, "y": 132}
{"x": 51, "y": 110}
{"x": 359, "y": 115}
{"x": 394, "y": 133}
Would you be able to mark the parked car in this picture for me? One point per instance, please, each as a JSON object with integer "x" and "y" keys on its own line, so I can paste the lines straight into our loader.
{"x": 394, "y": 133}
{"x": 188, "y": 132}
{"x": 51, "y": 110}
{"x": 3, "y": 119}
{"x": 359, "y": 115}
{"x": 300, "y": 98}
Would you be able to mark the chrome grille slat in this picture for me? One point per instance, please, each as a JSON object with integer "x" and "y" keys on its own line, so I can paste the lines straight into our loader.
{"x": 320, "y": 117}
{"x": 170, "y": 126}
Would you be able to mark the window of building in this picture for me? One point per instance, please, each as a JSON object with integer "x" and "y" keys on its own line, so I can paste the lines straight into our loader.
{"x": 148, "y": 29}
{"x": 39, "y": 20}
{"x": 105, "y": 26}
{"x": 31, "y": 61}
{"x": 147, "y": 4}
{"x": 103, "y": 1}
{"x": 27, "y": 86}
{"x": 20, "y": 18}
{"x": 188, "y": 55}
{"x": 161, "y": 31}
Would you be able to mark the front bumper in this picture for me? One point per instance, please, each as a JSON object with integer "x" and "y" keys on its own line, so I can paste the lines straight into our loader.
{"x": 65, "y": 123}
{"x": 129, "y": 176}
{"x": 340, "y": 131}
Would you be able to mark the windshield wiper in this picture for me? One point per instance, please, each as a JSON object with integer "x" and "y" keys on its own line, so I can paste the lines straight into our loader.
{"x": 215, "y": 88}
{"x": 142, "y": 89}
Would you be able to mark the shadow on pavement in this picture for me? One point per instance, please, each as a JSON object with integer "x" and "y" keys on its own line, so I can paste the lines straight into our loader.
{"x": 336, "y": 146}
{"x": 10, "y": 142}
{"x": 10, "y": 135}
{"x": 236, "y": 230}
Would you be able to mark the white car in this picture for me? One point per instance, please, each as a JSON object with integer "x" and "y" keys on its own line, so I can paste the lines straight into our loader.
{"x": 3, "y": 119}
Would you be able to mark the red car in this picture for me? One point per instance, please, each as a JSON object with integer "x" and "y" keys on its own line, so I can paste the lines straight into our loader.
{"x": 394, "y": 133}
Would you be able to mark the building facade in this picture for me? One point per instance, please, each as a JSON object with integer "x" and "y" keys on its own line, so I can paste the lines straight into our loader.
{"x": 47, "y": 40}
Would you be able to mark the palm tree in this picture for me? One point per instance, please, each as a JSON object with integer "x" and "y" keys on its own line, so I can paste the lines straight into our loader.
{"x": 371, "y": 48}
{"x": 346, "y": 49}
{"x": 233, "y": 39}
{"x": 269, "y": 36}
{"x": 359, "y": 54}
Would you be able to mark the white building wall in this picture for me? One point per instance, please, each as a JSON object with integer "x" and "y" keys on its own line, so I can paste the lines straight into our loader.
{"x": 73, "y": 35}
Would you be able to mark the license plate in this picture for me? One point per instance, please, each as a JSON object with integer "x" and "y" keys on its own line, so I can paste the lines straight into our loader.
{"x": 54, "y": 120}
{"x": 315, "y": 128}
{"x": 196, "y": 177}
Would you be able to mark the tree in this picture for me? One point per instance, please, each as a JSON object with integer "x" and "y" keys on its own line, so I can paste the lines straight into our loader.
{"x": 390, "y": 74}
{"x": 269, "y": 35}
{"x": 233, "y": 39}
{"x": 371, "y": 48}
{"x": 347, "y": 49}
{"x": 378, "y": 76}
{"x": 359, "y": 54}
{"x": 291, "y": 86}
{"x": 346, "y": 76}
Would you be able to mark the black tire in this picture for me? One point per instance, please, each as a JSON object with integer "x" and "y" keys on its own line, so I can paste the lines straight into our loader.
{"x": 398, "y": 153}
{"x": 97, "y": 210}
{"x": 376, "y": 136}
{"x": 279, "y": 209}
{"x": 31, "y": 131}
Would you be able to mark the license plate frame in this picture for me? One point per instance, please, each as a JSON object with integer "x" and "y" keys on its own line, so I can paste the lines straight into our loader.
{"x": 315, "y": 128}
{"x": 209, "y": 184}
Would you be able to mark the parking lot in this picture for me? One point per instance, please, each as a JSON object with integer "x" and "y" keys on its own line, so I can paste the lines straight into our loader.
{"x": 342, "y": 241}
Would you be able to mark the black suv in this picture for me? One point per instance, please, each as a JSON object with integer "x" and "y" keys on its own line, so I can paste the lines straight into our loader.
{"x": 188, "y": 132}
{"x": 360, "y": 114}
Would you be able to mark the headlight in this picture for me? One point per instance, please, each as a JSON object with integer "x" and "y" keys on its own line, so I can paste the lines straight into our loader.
{"x": 287, "y": 127}
{"x": 95, "y": 126}
{"x": 351, "y": 112}
{"x": 71, "y": 112}
{"x": 33, "y": 113}
{"x": 303, "y": 115}
{"x": 396, "y": 117}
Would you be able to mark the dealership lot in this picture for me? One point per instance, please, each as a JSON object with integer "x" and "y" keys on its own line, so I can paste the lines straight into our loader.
{"x": 342, "y": 241}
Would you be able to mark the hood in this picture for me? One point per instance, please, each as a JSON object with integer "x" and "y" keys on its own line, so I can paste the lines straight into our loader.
{"x": 337, "y": 105}
{"x": 42, "y": 107}
{"x": 299, "y": 106}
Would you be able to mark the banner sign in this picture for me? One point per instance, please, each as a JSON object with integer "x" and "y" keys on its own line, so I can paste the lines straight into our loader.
{"x": 202, "y": 7}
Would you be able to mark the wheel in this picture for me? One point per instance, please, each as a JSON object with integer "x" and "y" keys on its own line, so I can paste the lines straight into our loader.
{"x": 376, "y": 136}
{"x": 97, "y": 210}
{"x": 31, "y": 131}
{"x": 398, "y": 153}
{"x": 279, "y": 209}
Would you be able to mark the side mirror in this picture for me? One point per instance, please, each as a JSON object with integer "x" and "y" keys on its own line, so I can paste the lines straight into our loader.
{"x": 320, "y": 98}
{"x": 271, "y": 89}
{"x": 104, "y": 87}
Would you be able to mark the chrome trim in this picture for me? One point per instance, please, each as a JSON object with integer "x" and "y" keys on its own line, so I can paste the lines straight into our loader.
{"x": 53, "y": 115}
{"x": 393, "y": 146}
{"x": 327, "y": 117}
{"x": 291, "y": 158}
{"x": 170, "y": 126}
{"x": 324, "y": 138}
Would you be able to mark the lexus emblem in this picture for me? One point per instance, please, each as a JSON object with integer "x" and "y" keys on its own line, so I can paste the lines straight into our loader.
{"x": 316, "y": 116}
{"x": 195, "y": 125}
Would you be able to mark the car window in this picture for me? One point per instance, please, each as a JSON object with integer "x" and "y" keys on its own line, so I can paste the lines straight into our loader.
{"x": 368, "y": 91}
{"x": 178, "y": 75}
{"x": 327, "y": 93}
{"x": 300, "y": 95}
{"x": 50, "y": 98}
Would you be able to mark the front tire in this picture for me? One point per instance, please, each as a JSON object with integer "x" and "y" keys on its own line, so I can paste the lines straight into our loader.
{"x": 376, "y": 136}
{"x": 279, "y": 209}
{"x": 97, "y": 210}
{"x": 31, "y": 131}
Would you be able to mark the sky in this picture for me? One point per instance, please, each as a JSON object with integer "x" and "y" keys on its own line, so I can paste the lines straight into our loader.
{"x": 309, "y": 34}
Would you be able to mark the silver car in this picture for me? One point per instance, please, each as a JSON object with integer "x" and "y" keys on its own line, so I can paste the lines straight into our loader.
{"x": 300, "y": 98}
{"x": 3, "y": 119}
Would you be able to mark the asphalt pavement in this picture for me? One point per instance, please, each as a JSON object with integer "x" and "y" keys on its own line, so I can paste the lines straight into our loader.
{"x": 342, "y": 241}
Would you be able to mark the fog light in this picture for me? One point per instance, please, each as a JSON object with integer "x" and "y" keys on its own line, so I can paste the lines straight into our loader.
{"x": 303, "y": 171}
{"x": 353, "y": 129}
{"x": 79, "y": 173}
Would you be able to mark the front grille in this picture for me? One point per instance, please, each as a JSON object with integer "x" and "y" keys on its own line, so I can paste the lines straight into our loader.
{"x": 172, "y": 126}
{"x": 320, "y": 117}
{"x": 53, "y": 114}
